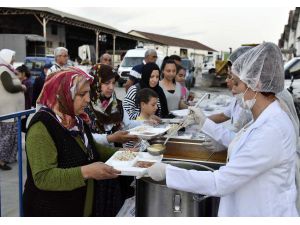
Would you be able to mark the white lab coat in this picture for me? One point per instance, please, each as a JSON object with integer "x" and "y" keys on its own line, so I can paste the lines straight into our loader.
{"x": 259, "y": 179}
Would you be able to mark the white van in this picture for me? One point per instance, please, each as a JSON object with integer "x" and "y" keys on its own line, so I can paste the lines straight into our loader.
{"x": 132, "y": 58}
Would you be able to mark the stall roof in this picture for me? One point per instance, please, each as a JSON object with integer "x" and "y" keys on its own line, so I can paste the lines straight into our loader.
{"x": 172, "y": 41}
{"x": 66, "y": 18}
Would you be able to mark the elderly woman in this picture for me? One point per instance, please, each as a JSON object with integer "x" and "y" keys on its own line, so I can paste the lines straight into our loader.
{"x": 63, "y": 159}
{"x": 259, "y": 177}
{"x": 12, "y": 100}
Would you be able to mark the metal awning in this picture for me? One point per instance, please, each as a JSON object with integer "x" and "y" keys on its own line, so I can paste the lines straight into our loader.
{"x": 34, "y": 37}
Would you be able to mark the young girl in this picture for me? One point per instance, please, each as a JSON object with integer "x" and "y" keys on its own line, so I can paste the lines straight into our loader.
{"x": 148, "y": 103}
{"x": 187, "y": 96}
{"x": 24, "y": 75}
{"x": 180, "y": 78}
{"x": 172, "y": 89}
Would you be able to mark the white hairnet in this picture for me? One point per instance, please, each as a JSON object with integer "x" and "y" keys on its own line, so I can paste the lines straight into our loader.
{"x": 261, "y": 68}
{"x": 287, "y": 104}
{"x": 238, "y": 52}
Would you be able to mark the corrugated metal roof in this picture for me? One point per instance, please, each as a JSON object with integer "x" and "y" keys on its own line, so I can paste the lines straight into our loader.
{"x": 67, "y": 18}
{"x": 172, "y": 41}
{"x": 71, "y": 16}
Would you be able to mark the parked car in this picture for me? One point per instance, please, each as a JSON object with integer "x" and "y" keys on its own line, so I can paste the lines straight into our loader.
{"x": 36, "y": 64}
{"x": 190, "y": 69}
{"x": 132, "y": 58}
{"x": 291, "y": 66}
{"x": 292, "y": 81}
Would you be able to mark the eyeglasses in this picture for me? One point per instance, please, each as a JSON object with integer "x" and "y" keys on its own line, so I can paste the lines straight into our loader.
{"x": 64, "y": 55}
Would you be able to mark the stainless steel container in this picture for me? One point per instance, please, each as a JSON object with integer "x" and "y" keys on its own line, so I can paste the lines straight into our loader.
{"x": 156, "y": 199}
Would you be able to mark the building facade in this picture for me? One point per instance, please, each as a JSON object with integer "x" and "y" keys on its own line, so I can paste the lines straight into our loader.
{"x": 290, "y": 38}
{"x": 182, "y": 47}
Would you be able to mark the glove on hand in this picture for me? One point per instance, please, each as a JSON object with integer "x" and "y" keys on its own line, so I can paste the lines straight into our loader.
{"x": 197, "y": 115}
{"x": 158, "y": 171}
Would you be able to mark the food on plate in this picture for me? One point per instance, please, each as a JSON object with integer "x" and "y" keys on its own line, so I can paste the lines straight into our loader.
{"x": 125, "y": 155}
{"x": 143, "y": 164}
{"x": 140, "y": 129}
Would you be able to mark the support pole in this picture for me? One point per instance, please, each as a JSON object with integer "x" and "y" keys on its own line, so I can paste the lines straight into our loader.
{"x": 97, "y": 45}
{"x": 20, "y": 158}
{"x": 114, "y": 50}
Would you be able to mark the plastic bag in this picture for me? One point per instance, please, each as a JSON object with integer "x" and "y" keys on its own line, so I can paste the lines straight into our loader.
{"x": 128, "y": 208}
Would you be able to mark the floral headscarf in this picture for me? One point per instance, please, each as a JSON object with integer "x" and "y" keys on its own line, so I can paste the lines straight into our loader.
{"x": 60, "y": 89}
{"x": 102, "y": 73}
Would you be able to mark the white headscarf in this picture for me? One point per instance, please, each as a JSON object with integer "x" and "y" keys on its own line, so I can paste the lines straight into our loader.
{"x": 6, "y": 56}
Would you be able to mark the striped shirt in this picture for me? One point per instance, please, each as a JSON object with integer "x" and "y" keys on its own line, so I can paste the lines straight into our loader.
{"x": 133, "y": 109}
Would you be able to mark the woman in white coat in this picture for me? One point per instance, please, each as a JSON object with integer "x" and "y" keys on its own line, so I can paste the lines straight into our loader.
{"x": 259, "y": 177}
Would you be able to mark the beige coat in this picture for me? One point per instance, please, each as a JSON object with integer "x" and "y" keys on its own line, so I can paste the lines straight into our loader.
{"x": 10, "y": 102}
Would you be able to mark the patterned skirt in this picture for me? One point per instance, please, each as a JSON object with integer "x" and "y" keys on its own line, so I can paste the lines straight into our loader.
{"x": 8, "y": 141}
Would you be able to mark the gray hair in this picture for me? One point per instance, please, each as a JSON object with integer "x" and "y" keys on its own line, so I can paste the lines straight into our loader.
{"x": 150, "y": 52}
{"x": 59, "y": 50}
{"x": 102, "y": 56}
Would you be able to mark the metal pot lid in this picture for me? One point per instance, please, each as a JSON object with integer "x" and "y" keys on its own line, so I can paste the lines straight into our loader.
{"x": 182, "y": 165}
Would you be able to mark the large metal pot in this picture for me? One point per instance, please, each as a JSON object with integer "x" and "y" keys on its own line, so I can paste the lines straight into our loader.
{"x": 156, "y": 199}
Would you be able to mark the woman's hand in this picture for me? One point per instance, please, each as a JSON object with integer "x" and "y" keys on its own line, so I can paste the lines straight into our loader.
{"x": 122, "y": 137}
{"x": 99, "y": 171}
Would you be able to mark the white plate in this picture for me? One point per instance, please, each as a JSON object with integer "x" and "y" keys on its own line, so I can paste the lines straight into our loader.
{"x": 180, "y": 113}
{"x": 128, "y": 169}
{"x": 148, "y": 132}
{"x": 174, "y": 120}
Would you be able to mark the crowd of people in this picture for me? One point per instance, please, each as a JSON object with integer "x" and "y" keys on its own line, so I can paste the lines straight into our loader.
{"x": 80, "y": 123}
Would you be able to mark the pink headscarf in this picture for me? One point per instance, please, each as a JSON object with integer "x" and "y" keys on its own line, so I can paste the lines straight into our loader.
{"x": 60, "y": 89}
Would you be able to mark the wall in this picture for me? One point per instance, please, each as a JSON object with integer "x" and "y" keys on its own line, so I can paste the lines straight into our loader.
{"x": 55, "y": 39}
{"x": 196, "y": 55}
{"x": 297, "y": 41}
{"x": 15, "y": 42}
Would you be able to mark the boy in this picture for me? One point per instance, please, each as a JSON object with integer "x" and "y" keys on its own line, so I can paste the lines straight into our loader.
{"x": 147, "y": 98}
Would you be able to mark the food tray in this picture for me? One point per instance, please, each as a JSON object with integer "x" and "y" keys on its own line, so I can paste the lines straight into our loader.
{"x": 148, "y": 132}
{"x": 184, "y": 136}
{"x": 128, "y": 167}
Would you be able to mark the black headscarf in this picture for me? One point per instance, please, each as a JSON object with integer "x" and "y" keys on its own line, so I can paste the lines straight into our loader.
{"x": 144, "y": 83}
